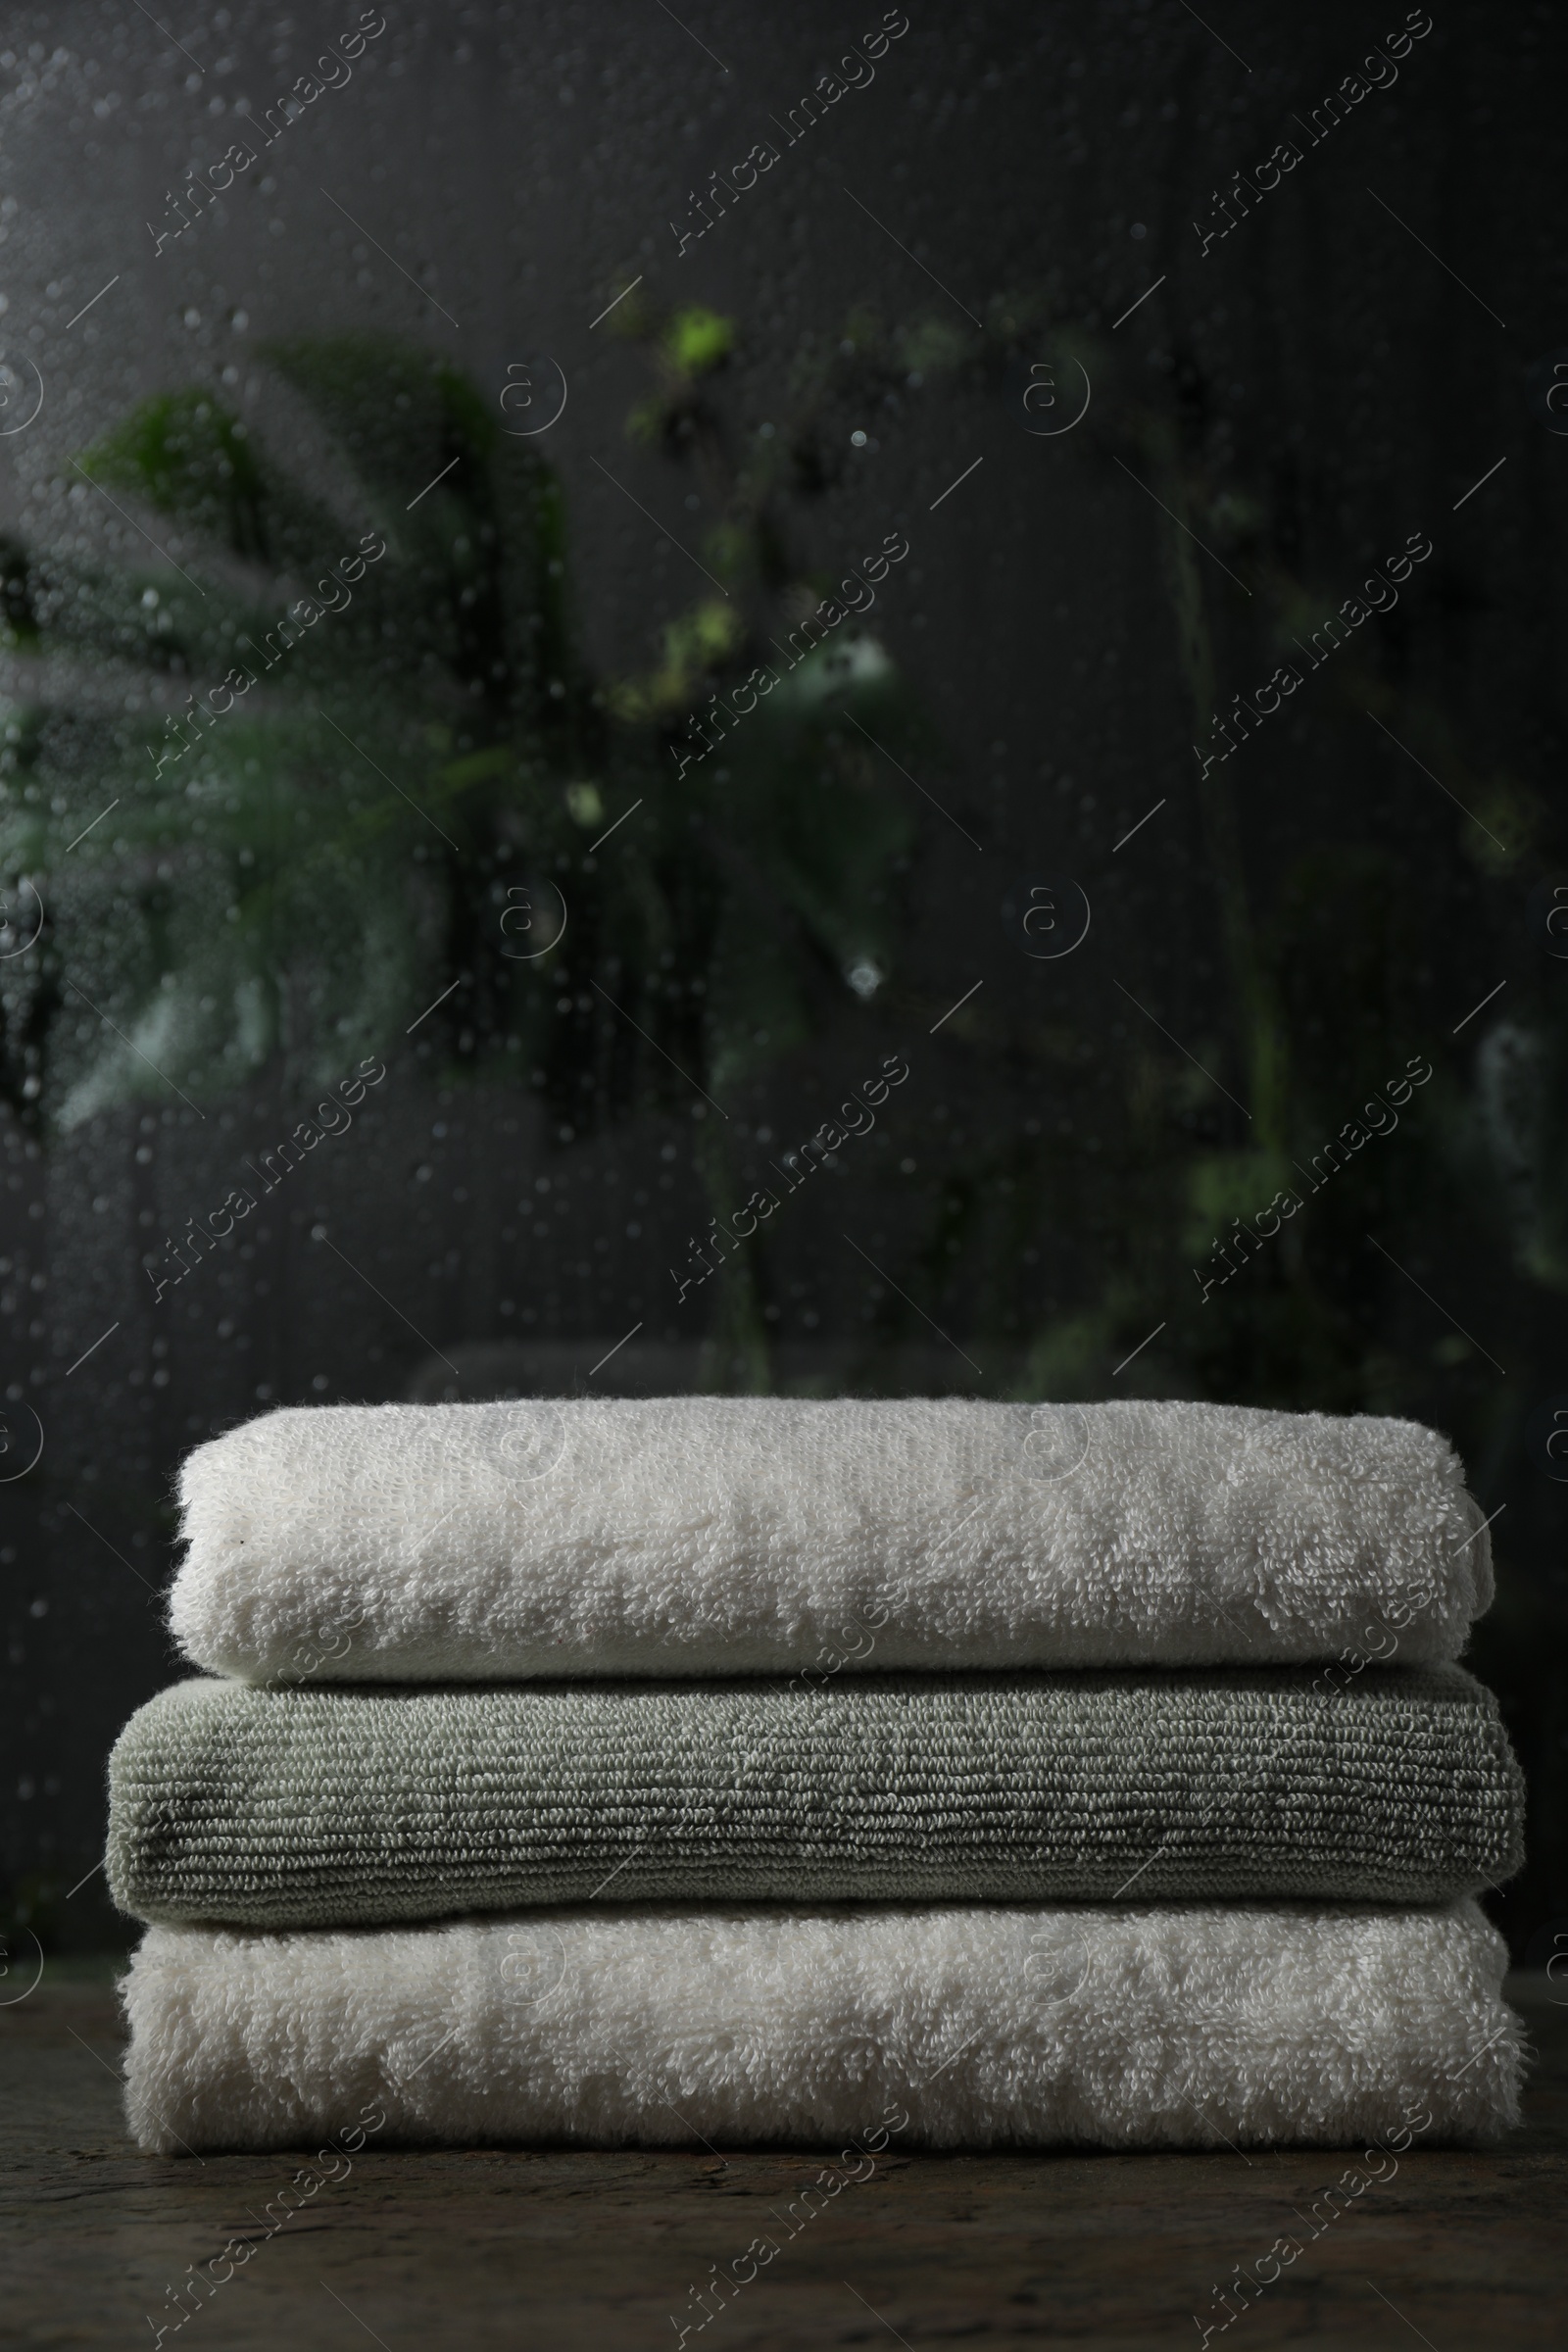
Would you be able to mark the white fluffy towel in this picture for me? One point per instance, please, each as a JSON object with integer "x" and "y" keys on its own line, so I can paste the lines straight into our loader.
{"x": 731, "y": 1535}
{"x": 1187, "y": 2025}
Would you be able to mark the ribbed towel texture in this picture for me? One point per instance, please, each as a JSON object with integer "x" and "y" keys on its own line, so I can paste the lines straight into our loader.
{"x": 305, "y": 1808}
{"x": 1187, "y": 2025}
{"x": 724, "y": 1535}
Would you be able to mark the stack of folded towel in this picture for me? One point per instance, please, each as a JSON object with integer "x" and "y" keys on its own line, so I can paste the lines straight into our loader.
{"x": 732, "y": 1769}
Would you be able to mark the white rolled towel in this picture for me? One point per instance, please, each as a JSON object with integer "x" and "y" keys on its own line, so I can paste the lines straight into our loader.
{"x": 1182, "y": 2026}
{"x": 693, "y": 1536}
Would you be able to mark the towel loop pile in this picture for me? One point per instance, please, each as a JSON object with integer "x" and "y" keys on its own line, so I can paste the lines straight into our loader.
{"x": 742, "y": 1770}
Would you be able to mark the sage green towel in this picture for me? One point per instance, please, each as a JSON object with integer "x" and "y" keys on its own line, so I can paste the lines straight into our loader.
{"x": 289, "y": 1808}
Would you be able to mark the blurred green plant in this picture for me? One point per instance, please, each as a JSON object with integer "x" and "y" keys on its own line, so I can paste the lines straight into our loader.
{"x": 398, "y": 811}
{"x": 386, "y": 824}
{"x": 1319, "y": 997}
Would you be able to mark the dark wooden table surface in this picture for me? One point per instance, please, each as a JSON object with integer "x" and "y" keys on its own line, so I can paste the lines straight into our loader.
{"x": 490, "y": 2248}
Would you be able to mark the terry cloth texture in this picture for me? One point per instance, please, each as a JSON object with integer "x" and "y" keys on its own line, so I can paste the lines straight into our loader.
{"x": 325, "y": 1808}
{"x": 710, "y": 1535}
{"x": 1191, "y": 2026}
